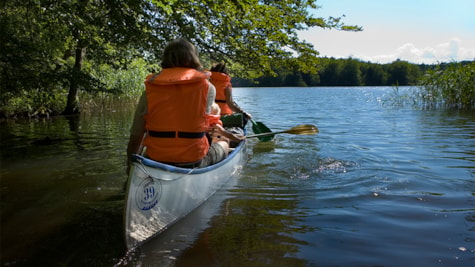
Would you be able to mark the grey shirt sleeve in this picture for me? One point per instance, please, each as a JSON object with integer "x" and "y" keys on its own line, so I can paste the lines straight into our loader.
{"x": 211, "y": 97}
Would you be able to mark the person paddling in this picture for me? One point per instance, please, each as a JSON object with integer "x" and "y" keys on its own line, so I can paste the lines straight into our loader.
{"x": 217, "y": 130}
{"x": 224, "y": 97}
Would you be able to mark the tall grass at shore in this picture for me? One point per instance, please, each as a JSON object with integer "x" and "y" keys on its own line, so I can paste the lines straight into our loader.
{"x": 448, "y": 86}
{"x": 113, "y": 86}
{"x": 119, "y": 86}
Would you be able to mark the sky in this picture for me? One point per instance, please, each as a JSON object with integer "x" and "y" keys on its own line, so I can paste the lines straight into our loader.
{"x": 418, "y": 31}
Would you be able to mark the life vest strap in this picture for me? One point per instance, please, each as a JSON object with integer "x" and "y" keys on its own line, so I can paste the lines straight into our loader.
{"x": 191, "y": 134}
{"x": 219, "y": 101}
{"x": 170, "y": 134}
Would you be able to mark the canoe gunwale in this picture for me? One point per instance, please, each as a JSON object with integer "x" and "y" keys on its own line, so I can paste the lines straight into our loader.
{"x": 166, "y": 167}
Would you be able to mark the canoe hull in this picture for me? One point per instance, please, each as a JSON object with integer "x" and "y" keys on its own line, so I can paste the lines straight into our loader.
{"x": 158, "y": 195}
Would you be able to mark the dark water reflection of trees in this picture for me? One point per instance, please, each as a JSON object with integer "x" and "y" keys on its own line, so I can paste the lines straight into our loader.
{"x": 62, "y": 189}
{"x": 256, "y": 229}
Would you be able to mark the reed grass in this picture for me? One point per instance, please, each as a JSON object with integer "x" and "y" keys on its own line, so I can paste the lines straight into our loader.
{"x": 448, "y": 86}
{"x": 116, "y": 86}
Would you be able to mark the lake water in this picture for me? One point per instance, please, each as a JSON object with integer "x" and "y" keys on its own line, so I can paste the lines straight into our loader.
{"x": 382, "y": 184}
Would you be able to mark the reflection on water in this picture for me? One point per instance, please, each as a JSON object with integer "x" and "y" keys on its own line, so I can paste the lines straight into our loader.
{"x": 61, "y": 190}
{"x": 378, "y": 186}
{"x": 254, "y": 232}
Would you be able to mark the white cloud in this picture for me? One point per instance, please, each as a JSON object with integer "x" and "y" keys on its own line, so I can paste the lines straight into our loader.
{"x": 423, "y": 31}
{"x": 384, "y": 45}
{"x": 443, "y": 52}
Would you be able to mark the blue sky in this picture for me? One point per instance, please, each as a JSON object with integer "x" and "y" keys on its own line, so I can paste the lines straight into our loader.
{"x": 419, "y": 31}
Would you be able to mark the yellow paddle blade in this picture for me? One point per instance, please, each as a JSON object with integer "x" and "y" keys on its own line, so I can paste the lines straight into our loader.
{"x": 303, "y": 129}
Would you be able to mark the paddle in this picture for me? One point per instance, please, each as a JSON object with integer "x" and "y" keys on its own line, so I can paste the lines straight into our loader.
{"x": 260, "y": 128}
{"x": 299, "y": 129}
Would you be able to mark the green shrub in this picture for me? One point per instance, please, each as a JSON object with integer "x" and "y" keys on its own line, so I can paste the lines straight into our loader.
{"x": 109, "y": 85}
{"x": 32, "y": 103}
{"x": 451, "y": 85}
{"x": 123, "y": 82}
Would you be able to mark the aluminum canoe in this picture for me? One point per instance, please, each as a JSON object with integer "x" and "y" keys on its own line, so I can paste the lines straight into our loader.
{"x": 159, "y": 194}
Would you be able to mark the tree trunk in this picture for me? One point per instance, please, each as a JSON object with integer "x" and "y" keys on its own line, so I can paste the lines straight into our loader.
{"x": 72, "y": 105}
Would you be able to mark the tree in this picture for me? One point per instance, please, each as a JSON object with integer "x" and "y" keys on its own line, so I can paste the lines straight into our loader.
{"x": 253, "y": 34}
{"x": 294, "y": 79}
{"x": 311, "y": 79}
{"x": 62, "y": 37}
{"x": 330, "y": 75}
{"x": 403, "y": 73}
{"x": 350, "y": 74}
{"x": 375, "y": 75}
{"x": 58, "y": 35}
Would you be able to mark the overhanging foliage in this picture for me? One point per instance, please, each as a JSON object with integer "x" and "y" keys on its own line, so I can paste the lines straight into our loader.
{"x": 52, "y": 45}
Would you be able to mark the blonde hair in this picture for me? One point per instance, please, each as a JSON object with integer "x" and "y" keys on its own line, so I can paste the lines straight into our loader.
{"x": 215, "y": 110}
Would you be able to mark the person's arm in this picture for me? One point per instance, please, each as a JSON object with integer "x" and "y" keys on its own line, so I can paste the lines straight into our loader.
{"x": 132, "y": 148}
{"x": 229, "y": 100}
{"x": 137, "y": 130}
{"x": 211, "y": 97}
{"x": 218, "y": 130}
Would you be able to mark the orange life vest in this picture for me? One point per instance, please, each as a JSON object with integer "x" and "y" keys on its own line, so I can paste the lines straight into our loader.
{"x": 176, "y": 119}
{"x": 214, "y": 119}
{"x": 221, "y": 81}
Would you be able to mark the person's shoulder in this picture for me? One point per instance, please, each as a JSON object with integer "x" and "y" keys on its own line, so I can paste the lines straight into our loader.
{"x": 211, "y": 86}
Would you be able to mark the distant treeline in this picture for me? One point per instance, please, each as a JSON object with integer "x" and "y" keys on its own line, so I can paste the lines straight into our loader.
{"x": 346, "y": 72}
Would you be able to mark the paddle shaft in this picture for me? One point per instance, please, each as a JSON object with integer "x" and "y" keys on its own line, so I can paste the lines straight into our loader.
{"x": 264, "y": 134}
{"x": 299, "y": 129}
